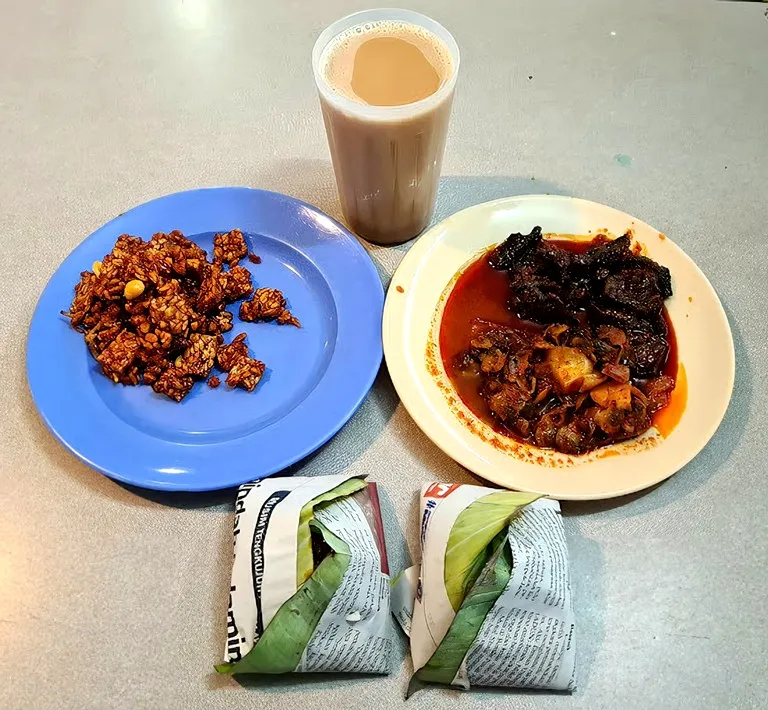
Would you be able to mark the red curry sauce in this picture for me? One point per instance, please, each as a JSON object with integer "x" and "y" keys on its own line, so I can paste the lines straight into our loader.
{"x": 483, "y": 292}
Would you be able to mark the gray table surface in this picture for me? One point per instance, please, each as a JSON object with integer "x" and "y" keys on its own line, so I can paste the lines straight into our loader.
{"x": 112, "y": 598}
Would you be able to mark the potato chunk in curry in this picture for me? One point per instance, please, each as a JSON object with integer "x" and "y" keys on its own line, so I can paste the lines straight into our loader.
{"x": 572, "y": 370}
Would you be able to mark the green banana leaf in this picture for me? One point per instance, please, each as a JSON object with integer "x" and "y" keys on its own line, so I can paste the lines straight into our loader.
{"x": 447, "y": 658}
{"x": 304, "y": 562}
{"x": 281, "y": 645}
{"x": 467, "y": 552}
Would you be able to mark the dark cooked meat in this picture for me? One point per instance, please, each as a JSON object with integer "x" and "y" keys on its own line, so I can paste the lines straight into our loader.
{"x": 552, "y": 261}
{"x": 611, "y": 315}
{"x": 649, "y": 353}
{"x": 538, "y": 298}
{"x": 606, "y": 255}
{"x": 609, "y": 281}
{"x": 634, "y": 289}
{"x": 658, "y": 392}
{"x": 587, "y": 368}
{"x": 515, "y": 250}
{"x": 663, "y": 277}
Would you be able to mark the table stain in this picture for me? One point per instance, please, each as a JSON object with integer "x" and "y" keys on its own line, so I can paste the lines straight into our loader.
{"x": 624, "y": 160}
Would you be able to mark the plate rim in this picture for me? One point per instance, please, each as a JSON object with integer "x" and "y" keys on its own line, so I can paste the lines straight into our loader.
{"x": 171, "y": 485}
{"x": 418, "y": 406}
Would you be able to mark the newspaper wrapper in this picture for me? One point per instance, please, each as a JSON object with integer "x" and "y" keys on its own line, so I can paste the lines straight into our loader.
{"x": 310, "y": 584}
{"x": 491, "y": 602}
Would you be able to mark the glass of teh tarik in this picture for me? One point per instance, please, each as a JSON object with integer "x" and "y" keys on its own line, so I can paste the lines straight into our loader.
{"x": 386, "y": 80}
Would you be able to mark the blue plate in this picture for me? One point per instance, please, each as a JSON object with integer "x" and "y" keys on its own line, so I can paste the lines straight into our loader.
{"x": 316, "y": 378}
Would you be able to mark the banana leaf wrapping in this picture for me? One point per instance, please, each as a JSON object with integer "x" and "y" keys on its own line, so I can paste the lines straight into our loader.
{"x": 310, "y": 583}
{"x": 490, "y": 603}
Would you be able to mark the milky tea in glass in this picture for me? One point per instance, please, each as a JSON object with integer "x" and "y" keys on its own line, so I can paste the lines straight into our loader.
{"x": 386, "y": 80}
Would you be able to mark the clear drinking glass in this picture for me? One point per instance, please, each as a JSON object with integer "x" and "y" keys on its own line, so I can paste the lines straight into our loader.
{"x": 387, "y": 159}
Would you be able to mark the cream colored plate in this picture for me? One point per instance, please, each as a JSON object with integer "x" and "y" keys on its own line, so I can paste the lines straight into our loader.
{"x": 411, "y": 320}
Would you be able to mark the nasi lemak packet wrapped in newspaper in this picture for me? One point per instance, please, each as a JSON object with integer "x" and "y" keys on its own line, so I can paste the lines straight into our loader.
{"x": 310, "y": 584}
{"x": 490, "y": 603}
